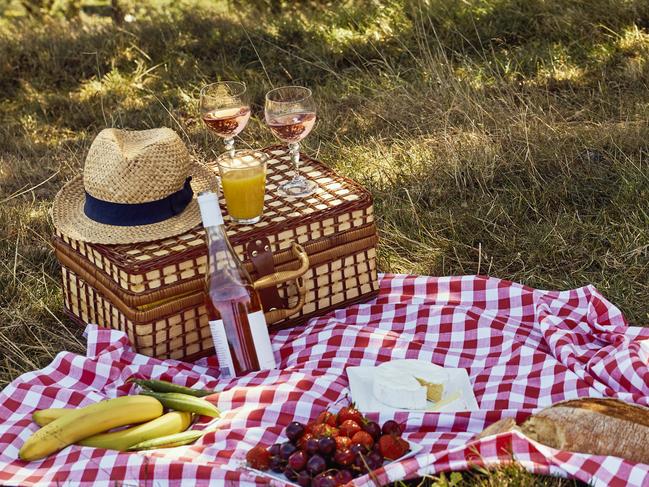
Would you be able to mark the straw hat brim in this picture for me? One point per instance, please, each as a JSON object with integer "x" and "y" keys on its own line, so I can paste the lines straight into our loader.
{"x": 69, "y": 218}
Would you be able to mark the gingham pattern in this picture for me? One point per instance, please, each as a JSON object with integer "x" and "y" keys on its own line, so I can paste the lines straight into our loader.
{"x": 523, "y": 348}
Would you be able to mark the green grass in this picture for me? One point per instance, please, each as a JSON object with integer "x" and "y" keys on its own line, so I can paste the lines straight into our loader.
{"x": 502, "y": 137}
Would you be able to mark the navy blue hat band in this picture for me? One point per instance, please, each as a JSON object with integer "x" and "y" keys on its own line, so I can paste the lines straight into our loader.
{"x": 134, "y": 214}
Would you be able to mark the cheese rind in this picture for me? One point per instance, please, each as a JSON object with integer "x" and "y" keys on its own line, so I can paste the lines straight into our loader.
{"x": 398, "y": 383}
{"x": 397, "y": 390}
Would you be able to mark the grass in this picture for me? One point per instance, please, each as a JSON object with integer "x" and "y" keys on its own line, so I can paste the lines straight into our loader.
{"x": 502, "y": 137}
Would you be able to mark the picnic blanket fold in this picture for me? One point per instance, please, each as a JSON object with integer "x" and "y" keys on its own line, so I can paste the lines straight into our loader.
{"x": 523, "y": 348}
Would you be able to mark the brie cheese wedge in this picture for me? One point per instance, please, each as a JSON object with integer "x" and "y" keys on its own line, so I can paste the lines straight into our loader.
{"x": 408, "y": 384}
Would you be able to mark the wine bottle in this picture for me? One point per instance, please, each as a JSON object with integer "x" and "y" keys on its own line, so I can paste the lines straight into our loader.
{"x": 236, "y": 318}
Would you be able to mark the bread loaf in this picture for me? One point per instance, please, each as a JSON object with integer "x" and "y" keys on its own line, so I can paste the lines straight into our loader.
{"x": 595, "y": 426}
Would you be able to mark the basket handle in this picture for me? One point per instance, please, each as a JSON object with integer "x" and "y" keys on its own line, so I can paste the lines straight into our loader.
{"x": 283, "y": 276}
{"x": 297, "y": 275}
{"x": 275, "y": 315}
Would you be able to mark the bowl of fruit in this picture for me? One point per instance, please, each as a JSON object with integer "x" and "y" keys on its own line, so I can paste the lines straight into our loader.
{"x": 331, "y": 450}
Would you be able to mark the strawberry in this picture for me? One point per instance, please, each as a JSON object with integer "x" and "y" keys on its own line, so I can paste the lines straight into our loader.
{"x": 327, "y": 418}
{"x": 309, "y": 427}
{"x": 349, "y": 428}
{"x": 364, "y": 439}
{"x": 323, "y": 429}
{"x": 350, "y": 412}
{"x": 342, "y": 442}
{"x": 392, "y": 447}
{"x": 405, "y": 445}
{"x": 259, "y": 458}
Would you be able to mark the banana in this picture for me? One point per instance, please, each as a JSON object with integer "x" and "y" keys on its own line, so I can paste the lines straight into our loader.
{"x": 167, "y": 424}
{"x": 89, "y": 421}
{"x": 45, "y": 416}
{"x": 183, "y": 402}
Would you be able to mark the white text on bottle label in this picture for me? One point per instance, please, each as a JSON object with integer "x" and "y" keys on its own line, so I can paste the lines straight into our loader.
{"x": 222, "y": 348}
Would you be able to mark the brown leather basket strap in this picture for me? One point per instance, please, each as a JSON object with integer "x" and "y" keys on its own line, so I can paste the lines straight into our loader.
{"x": 258, "y": 252}
{"x": 275, "y": 315}
{"x": 280, "y": 277}
{"x": 287, "y": 275}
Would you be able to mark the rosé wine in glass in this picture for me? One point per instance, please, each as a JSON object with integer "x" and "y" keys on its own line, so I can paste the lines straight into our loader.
{"x": 291, "y": 114}
{"x": 292, "y": 127}
{"x": 225, "y": 110}
{"x": 227, "y": 122}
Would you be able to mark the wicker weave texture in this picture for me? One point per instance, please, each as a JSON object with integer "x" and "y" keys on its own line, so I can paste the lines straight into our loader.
{"x": 117, "y": 158}
{"x": 154, "y": 291}
{"x": 130, "y": 167}
{"x": 338, "y": 206}
{"x": 185, "y": 333}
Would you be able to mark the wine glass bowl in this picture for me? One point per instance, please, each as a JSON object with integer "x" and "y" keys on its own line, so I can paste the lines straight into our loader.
{"x": 225, "y": 110}
{"x": 291, "y": 114}
{"x": 292, "y": 127}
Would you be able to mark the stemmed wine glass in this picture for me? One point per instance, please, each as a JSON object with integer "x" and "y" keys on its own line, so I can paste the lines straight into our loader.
{"x": 225, "y": 110}
{"x": 290, "y": 113}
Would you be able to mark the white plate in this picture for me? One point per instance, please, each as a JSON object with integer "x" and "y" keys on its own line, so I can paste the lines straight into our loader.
{"x": 458, "y": 393}
{"x": 414, "y": 449}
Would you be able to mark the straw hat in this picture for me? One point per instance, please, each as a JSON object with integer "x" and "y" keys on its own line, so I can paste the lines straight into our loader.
{"x": 135, "y": 188}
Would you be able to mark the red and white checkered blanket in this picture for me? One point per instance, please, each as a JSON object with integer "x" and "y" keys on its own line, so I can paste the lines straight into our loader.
{"x": 523, "y": 349}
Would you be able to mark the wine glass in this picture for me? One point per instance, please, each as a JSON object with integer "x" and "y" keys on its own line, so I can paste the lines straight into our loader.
{"x": 225, "y": 110}
{"x": 290, "y": 113}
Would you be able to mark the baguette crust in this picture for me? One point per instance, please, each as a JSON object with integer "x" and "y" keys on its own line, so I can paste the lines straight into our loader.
{"x": 594, "y": 426}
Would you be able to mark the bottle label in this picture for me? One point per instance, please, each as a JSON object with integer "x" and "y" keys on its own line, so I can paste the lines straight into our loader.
{"x": 260, "y": 337}
{"x": 208, "y": 203}
{"x": 222, "y": 348}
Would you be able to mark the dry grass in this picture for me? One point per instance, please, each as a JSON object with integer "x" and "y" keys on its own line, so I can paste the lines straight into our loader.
{"x": 503, "y": 137}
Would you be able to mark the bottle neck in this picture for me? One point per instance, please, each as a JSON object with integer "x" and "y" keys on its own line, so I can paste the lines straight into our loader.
{"x": 220, "y": 251}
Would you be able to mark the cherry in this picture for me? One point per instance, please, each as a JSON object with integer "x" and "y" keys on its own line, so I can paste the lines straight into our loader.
{"x": 324, "y": 480}
{"x": 274, "y": 450}
{"x": 326, "y": 445}
{"x": 358, "y": 448}
{"x": 304, "y": 479}
{"x": 343, "y": 477}
{"x": 374, "y": 460}
{"x": 360, "y": 461}
{"x": 344, "y": 457}
{"x": 297, "y": 461}
{"x": 374, "y": 429}
{"x": 286, "y": 450}
{"x": 294, "y": 431}
{"x": 276, "y": 464}
{"x": 290, "y": 474}
{"x": 312, "y": 446}
{"x": 316, "y": 464}
{"x": 391, "y": 427}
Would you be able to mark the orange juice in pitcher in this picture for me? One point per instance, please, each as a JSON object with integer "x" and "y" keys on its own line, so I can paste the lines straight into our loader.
{"x": 243, "y": 178}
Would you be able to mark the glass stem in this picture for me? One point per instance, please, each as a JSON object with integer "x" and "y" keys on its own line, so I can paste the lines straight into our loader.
{"x": 229, "y": 146}
{"x": 295, "y": 157}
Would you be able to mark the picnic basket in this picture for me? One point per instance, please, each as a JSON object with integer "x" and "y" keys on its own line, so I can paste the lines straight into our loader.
{"x": 308, "y": 256}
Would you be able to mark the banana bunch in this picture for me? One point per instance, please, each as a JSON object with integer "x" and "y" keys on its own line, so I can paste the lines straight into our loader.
{"x": 150, "y": 426}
